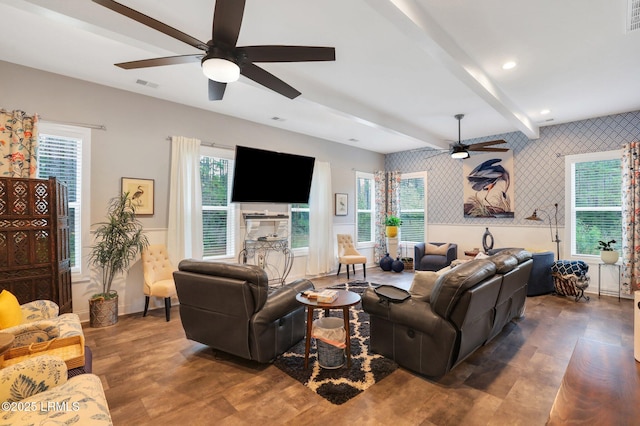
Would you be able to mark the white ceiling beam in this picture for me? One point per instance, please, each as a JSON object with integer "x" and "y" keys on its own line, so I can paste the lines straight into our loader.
{"x": 422, "y": 29}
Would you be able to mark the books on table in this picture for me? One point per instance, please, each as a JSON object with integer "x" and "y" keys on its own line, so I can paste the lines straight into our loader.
{"x": 322, "y": 296}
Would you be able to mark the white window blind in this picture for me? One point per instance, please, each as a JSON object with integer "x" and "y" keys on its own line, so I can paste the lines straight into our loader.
{"x": 218, "y": 218}
{"x": 61, "y": 157}
{"x": 364, "y": 207}
{"x": 596, "y": 210}
{"x": 300, "y": 225}
{"x": 412, "y": 208}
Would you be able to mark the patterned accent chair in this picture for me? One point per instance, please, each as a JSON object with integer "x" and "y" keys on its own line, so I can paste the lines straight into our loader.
{"x": 41, "y": 322}
{"x": 570, "y": 278}
{"x": 39, "y": 382}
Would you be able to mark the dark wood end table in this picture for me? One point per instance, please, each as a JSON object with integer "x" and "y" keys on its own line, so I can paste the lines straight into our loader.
{"x": 345, "y": 300}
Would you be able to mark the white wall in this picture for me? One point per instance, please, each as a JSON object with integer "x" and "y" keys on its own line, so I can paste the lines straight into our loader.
{"x": 135, "y": 145}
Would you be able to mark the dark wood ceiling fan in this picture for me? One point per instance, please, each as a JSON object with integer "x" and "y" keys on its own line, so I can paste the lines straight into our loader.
{"x": 460, "y": 150}
{"x": 222, "y": 49}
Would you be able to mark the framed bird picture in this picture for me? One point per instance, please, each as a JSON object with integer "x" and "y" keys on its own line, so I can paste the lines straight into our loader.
{"x": 488, "y": 185}
{"x": 141, "y": 194}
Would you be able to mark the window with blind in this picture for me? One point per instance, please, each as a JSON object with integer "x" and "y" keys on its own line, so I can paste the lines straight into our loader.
{"x": 60, "y": 154}
{"x": 595, "y": 201}
{"x": 412, "y": 207}
{"x": 299, "y": 226}
{"x": 365, "y": 207}
{"x": 218, "y": 219}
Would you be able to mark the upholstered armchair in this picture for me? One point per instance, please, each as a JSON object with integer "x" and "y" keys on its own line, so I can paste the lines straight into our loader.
{"x": 434, "y": 256}
{"x": 158, "y": 277}
{"x": 41, "y": 322}
{"x": 34, "y": 384}
{"x": 348, "y": 255}
{"x": 231, "y": 308}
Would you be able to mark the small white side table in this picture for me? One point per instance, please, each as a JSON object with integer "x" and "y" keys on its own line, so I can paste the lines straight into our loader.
{"x": 608, "y": 292}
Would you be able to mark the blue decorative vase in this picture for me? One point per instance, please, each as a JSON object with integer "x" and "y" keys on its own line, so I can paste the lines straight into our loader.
{"x": 397, "y": 265}
{"x": 385, "y": 263}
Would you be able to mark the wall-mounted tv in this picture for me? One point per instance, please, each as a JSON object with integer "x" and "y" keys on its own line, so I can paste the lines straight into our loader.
{"x": 262, "y": 176}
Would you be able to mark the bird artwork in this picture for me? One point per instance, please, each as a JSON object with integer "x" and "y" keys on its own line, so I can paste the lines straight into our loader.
{"x": 136, "y": 198}
{"x": 488, "y": 190}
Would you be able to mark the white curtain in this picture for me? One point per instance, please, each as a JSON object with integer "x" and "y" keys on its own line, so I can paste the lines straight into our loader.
{"x": 321, "y": 258}
{"x": 184, "y": 238}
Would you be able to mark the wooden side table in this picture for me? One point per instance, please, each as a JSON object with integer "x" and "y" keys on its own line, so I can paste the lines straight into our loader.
{"x": 345, "y": 300}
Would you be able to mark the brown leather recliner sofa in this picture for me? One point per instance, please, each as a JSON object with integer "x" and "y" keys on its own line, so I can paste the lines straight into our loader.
{"x": 230, "y": 308}
{"x": 435, "y": 330}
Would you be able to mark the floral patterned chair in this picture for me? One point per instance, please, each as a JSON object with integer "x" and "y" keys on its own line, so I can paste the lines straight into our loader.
{"x": 41, "y": 322}
{"x": 37, "y": 391}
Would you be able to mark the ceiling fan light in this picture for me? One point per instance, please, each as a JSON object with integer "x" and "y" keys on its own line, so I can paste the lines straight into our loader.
{"x": 221, "y": 70}
{"x": 459, "y": 153}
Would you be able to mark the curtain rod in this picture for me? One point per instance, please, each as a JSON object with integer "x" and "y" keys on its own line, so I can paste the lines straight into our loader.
{"x": 212, "y": 144}
{"x": 71, "y": 123}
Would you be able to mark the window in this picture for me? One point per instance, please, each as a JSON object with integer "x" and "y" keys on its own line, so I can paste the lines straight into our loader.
{"x": 60, "y": 153}
{"x": 299, "y": 226}
{"x": 218, "y": 215}
{"x": 365, "y": 213}
{"x": 595, "y": 200}
{"x": 412, "y": 207}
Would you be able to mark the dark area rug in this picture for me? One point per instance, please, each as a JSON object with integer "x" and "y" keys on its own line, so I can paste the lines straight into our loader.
{"x": 340, "y": 384}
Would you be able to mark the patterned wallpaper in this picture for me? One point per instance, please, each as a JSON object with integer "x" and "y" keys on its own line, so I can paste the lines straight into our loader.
{"x": 539, "y": 167}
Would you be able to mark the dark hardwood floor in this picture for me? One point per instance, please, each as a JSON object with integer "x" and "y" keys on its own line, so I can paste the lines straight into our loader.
{"x": 153, "y": 375}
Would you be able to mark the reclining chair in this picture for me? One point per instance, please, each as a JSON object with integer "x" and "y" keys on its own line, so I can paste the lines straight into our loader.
{"x": 231, "y": 308}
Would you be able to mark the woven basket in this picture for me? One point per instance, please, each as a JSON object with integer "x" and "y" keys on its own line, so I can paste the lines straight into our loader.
{"x": 408, "y": 264}
{"x": 103, "y": 312}
{"x": 70, "y": 349}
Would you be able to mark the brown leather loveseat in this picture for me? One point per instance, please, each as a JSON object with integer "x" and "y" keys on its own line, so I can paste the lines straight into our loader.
{"x": 463, "y": 309}
{"x": 230, "y": 308}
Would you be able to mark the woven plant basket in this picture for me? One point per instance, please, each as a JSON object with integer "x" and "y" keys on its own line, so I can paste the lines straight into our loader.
{"x": 103, "y": 312}
{"x": 408, "y": 264}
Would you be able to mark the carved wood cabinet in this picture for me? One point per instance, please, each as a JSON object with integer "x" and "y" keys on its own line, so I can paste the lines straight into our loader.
{"x": 35, "y": 258}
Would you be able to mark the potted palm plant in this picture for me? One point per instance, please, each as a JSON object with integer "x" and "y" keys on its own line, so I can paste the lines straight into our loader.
{"x": 391, "y": 223}
{"x": 119, "y": 239}
{"x": 607, "y": 253}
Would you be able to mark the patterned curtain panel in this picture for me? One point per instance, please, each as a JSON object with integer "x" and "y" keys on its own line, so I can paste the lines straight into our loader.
{"x": 630, "y": 217}
{"x": 18, "y": 144}
{"x": 387, "y": 200}
{"x": 380, "y": 188}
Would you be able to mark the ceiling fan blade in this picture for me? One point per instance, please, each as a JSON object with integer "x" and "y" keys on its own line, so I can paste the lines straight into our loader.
{"x": 489, "y": 149}
{"x": 268, "y": 80}
{"x": 287, "y": 53}
{"x": 157, "y": 62}
{"x": 227, "y": 19}
{"x": 153, "y": 23}
{"x": 480, "y": 144}
{"x": 216, "y": 90}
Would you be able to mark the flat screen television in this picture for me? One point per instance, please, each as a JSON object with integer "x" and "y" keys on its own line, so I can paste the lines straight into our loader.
{"x": 262, "y": 176}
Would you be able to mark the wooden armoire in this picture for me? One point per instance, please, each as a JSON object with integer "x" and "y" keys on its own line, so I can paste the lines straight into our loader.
{"x": 34, "y": 240}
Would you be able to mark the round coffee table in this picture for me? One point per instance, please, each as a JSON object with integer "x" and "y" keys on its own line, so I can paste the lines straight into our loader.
{"x": 344, "y": 301}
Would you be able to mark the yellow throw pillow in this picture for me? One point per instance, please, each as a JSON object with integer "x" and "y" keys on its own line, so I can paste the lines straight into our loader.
{"x": 434, "y": 249}
{"x": 10, "y": 312}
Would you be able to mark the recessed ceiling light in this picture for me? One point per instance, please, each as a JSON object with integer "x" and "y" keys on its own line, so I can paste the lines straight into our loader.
{"x": 545, "y": 111}
{"x": 508, "y": 65}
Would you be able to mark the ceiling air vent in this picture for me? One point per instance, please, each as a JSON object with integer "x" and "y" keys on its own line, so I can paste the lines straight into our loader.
{"x": 147, "y": 83}
{"x": 633, "y": 16}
